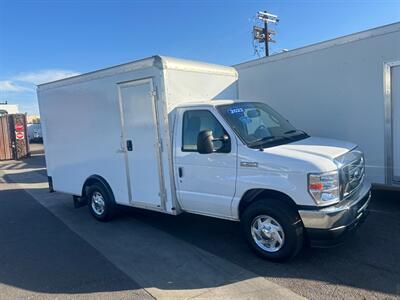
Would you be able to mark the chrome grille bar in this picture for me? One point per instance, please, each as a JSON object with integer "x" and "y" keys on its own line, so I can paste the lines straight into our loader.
{"x": 353, "y": 176}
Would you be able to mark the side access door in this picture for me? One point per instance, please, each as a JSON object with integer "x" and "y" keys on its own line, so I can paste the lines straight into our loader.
{"x": 141, "y": 143}
{"x": 206, "y": 182}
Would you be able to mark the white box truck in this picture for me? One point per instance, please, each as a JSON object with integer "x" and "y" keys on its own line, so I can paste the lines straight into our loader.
{"x": 345, "y": 88}
{"x": 170, "y": 135}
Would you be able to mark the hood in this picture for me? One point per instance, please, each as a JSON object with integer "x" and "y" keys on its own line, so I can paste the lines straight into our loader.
{"x": 323, "y": 147}
{"x": 313, "y": 152}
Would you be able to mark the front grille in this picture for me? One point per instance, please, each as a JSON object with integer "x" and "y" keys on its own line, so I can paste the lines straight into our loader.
{"x": 352, "y": 175}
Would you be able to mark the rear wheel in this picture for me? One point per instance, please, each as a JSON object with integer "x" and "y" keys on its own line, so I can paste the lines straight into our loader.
{"x": 273, "y": 230}
{"x": 100, "y": 202}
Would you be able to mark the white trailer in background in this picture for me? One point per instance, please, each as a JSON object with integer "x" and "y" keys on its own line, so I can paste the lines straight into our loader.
{"x": 346, "y": 88}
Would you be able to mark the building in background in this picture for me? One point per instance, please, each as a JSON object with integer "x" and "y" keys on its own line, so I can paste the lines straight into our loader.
{"x": 8, "y": 108}
{"x": 33, "y": 119}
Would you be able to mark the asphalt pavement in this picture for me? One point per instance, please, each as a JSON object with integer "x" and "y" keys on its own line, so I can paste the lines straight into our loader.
{"x": 51, "y": 250}
{"x": 40, "y": 256}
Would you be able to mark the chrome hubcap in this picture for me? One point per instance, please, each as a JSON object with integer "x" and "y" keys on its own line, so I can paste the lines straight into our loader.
{"x": 98, "y": 204}
{"x": 267, "y": 233}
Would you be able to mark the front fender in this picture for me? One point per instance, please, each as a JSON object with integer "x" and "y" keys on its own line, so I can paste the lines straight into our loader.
{"x": 292, "y": 184}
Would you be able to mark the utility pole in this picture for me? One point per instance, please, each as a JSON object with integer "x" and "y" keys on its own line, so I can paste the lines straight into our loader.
{"x": 264, "y": 35}
{"x": 266, "y": 39}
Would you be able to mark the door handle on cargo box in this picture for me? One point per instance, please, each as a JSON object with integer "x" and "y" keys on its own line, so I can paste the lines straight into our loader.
{"x": 129, "y": 145}
{"x": 180, "y": 172}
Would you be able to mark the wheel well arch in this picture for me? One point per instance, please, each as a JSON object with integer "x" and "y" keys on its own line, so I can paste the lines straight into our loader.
{"x": 254, "y": 195}
{"x": 97, "y": 179}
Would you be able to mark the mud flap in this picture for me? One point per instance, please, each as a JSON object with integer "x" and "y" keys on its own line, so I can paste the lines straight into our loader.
{"x": 79, "y": 201}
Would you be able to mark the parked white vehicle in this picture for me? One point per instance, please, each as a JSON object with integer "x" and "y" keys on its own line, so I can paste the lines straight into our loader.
{"x": 157, "y": 134}
{"x": 34, "y": 132}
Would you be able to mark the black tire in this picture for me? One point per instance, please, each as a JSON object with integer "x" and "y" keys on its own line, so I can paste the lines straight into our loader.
{"x": 109, "y": 204}
{"x": 288, "y": 219}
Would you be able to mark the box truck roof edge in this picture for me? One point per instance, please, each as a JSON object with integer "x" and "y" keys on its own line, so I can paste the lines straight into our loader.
{"x": 158, "y": 61}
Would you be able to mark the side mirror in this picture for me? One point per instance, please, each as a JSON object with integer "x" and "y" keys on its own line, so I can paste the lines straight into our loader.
{"x": 205, "y": 142}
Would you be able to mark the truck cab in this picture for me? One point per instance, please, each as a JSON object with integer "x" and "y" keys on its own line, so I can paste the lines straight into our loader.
{"x": 243, "y": 161}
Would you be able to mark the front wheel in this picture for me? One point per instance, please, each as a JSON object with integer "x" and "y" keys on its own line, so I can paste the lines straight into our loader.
{"x": 273, "y": 230}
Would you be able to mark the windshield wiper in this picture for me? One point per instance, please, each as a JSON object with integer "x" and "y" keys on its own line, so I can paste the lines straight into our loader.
{"x": 295, "y": 130}
{"x": 263, "y": 140}
{"x": 290, "y": 131}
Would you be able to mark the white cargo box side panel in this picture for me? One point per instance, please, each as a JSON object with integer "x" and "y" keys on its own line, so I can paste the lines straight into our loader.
{"x": 333, "y": 89}
{"x": 83, "y": 133}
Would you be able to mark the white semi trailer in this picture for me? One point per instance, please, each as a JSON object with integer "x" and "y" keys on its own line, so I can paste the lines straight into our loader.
{"x": 346, "y": 88}
{"x": 170, "y": 135}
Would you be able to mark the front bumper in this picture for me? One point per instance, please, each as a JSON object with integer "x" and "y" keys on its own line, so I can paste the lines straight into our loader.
{"x": 330, "y": 225}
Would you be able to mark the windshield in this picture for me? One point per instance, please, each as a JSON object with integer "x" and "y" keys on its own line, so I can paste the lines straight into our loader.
{"x": 258, "y": 125}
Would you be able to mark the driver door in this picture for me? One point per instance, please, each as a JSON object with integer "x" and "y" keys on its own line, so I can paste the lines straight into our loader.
{"x": 206, "y": 182}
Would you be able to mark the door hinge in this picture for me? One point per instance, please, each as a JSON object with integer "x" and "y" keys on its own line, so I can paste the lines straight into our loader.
{"x": 153, "y": 93}
{"x": 163, "y": 194}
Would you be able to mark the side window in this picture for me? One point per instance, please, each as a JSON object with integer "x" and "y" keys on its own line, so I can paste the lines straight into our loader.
{"x": 195, "y": 121}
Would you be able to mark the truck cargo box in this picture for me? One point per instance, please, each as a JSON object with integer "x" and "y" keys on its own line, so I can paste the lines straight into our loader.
{"x": 113, "y": 124}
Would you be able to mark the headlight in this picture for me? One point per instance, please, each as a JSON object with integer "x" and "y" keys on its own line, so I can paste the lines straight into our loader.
{"x": 324, "y": 187}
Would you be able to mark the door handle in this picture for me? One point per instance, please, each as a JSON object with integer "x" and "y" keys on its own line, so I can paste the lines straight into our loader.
{"x": 180, "y": 172}
{"x": 129, "y": 145}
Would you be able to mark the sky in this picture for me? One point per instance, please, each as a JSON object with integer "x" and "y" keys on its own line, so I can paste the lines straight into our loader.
{"x": 45, "y": 40}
